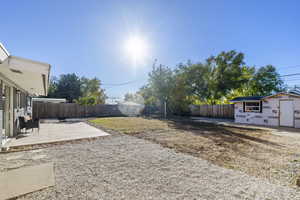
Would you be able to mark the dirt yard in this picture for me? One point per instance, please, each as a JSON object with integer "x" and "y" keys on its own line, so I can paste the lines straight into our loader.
{"x": 255, "y": 151}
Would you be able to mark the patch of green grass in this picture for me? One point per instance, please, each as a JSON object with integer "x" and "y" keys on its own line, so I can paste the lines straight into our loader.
{"x": 131, "y": 125}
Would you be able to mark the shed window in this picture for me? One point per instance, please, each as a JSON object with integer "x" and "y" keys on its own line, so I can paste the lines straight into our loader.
{"x": 254, "y": 106}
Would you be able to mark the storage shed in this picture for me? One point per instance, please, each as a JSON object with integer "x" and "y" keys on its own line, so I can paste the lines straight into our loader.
{"x": 281, "y": 109}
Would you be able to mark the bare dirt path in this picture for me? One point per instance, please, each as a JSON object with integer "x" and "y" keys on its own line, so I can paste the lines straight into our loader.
{"x": 125, "y": 167}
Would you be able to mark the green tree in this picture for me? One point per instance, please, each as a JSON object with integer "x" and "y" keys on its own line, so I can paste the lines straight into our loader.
{"x": 75, "y": 89}
{"x": 52, "y": 87}
{"x": 212, "y": 81}
{"x": 219, "y": 79}
{"x": 180, "y": 97}
{"x": 159, "y": 87}
{"x": 134, "y": 97}
{"x": 196, "y": 79}
{"x": 227, "y": 74}
{"x": 160, "y": 81}
{"x": 88, "y": 100}
{"x": 266, "y": 81}
{"x": 68, "y": 86}
{"x": 92, "y": 88}
{"x": 147, "y": 93}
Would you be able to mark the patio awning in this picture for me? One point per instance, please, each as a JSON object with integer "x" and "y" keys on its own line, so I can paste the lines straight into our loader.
{"x": 28, "y": 75}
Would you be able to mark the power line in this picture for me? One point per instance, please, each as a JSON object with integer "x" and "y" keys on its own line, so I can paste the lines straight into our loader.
{"x": 130, "y": 82}
{"x": 120, "y": 84}
{"x": 296, "y": 74}
{"x": 292, "y": 80}
{"x": 291, "y": 66}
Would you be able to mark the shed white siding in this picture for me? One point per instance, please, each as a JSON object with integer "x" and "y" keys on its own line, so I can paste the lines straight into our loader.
{"x": 270, "y": 114}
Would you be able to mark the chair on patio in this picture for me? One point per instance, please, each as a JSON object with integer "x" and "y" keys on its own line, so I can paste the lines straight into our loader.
{"x": 29, "y": 124}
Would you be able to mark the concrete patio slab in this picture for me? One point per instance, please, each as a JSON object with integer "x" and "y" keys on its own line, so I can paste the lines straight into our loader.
{"x": 25, "y": 180}
{"x": 57, "y": 132}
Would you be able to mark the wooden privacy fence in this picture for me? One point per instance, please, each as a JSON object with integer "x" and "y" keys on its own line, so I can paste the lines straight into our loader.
{"x": 216, "y": 111}
{"x": 73, "y": 110}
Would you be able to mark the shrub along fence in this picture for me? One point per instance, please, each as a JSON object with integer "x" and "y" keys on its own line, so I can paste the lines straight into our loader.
{"x": 73, "y": 110}
{"x": 216, "y": 111}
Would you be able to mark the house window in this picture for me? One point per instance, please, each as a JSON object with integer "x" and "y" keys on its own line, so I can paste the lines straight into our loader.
{"x": 254, "y": 106}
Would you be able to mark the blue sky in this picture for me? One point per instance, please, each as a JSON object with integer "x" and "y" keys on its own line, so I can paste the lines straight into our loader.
{"x": 87, "y": 37}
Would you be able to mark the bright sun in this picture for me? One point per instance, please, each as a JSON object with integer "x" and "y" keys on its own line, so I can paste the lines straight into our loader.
{"x": 136, "y": 47}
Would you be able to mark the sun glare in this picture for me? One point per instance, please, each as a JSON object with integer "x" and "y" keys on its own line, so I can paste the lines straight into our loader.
{"x": 136, "y": 48}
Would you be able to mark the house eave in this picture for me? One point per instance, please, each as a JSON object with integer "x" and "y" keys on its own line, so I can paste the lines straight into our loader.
{"x": 31, "y": 76}
{"x": 12, "y": 83}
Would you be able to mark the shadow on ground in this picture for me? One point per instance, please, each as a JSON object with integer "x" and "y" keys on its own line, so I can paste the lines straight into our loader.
{"x": 221, "y": 132}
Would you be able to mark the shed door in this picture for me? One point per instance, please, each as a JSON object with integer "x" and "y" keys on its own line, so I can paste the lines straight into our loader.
{"x": 286, "y": 113}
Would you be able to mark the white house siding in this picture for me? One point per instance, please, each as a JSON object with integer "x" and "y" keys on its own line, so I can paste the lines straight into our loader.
{"x": 20, "y": 79}
{"x": 270, "y": 112}
{"x": 19, "y": 107}
{"x": 1, "y": 116}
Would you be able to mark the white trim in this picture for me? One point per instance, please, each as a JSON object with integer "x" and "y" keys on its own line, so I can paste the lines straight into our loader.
{"x": 280, "y": 111}
{"x": 4, "y": 49}
{"x": 251, "y": 101}
{"x": 255, "y": 111}
{"x": 28, "y": 60}
{"x": 281, "y": 93}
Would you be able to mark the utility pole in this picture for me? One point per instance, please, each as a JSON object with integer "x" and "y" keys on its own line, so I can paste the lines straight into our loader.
{"x": 165, "y": 108}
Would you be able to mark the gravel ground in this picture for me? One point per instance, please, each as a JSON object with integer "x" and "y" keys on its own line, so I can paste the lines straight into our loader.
{"x": 254, "y": 151}
{"x": 125, "y": 167}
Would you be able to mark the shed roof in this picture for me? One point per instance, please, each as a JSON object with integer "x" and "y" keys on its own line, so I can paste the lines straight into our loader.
{"x": 257, "y": 98}
{"x": 291, "y": 93}
{"x": 247, "y": 98}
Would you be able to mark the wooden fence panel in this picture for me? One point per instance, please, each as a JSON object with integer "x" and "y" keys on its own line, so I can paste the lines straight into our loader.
{"x": 215, "y": 111}
{"x": 73, "y": 110}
